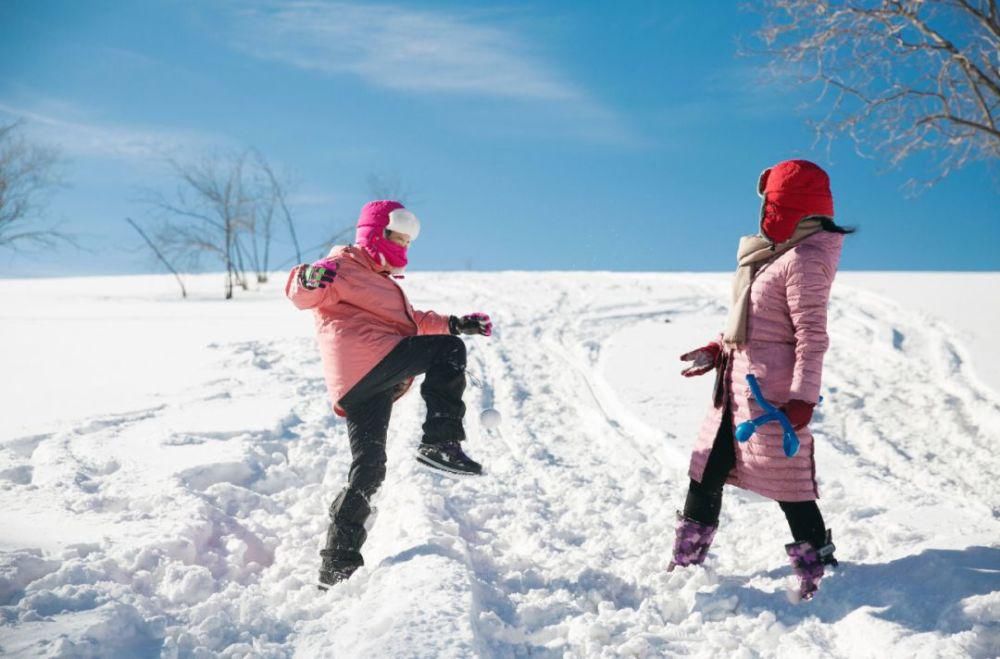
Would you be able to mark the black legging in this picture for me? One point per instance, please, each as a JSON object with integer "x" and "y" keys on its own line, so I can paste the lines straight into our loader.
{"x": 368, "y": 405}
{"x": 704, "y": 499}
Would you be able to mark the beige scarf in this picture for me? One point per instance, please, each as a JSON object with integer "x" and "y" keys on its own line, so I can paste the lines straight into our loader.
{"x": 754, "y": 253}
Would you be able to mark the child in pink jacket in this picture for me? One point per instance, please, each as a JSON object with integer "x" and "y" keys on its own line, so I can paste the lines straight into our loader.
{"x": 777, "y": 331}
{"x": 373, "y": 343}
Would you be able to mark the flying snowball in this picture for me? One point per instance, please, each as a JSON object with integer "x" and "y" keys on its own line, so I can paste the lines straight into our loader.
{"x": 490, "y": 418}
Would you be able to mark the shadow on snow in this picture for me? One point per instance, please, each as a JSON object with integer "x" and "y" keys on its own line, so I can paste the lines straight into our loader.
{"x": 922, "y": 592}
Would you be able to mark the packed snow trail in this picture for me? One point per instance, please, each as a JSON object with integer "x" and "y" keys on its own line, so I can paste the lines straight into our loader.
{"x": 188, "y": 522}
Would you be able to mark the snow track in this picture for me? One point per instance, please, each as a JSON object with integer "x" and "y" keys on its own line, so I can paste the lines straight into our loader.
{"x": 190, "y": 526}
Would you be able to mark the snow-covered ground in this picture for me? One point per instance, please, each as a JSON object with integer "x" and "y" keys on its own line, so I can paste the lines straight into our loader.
{"x": 166, "y": 465}
{"x": 968, "y": 302}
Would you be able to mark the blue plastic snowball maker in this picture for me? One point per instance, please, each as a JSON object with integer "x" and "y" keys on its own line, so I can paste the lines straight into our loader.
{"x": 790, "y": 441}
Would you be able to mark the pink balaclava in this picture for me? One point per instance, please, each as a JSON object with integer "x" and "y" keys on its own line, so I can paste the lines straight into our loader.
{"x": 375, "y": 218}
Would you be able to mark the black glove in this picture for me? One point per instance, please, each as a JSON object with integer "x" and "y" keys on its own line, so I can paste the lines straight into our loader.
{"x": 319, "y": 274}
{"x": 474, "y": 323}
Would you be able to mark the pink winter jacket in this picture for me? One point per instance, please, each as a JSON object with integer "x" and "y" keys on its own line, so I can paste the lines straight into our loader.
{"x": 360, "y": 318}
{"x": 786, "y": 341}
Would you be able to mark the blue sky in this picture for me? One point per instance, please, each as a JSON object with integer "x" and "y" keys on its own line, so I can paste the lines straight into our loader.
{"x": 557, "y": 135}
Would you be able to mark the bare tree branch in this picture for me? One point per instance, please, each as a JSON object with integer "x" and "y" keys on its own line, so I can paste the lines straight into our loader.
{"x": 281, "y": 198}
{"x": 159, "y": 255}
{"x": 202, "y": 215}
{"x": 27, "y": 178}
{"x": 899, "y": 77}
{"x": 989, "y": 21}
{"x": 223, "y": 206}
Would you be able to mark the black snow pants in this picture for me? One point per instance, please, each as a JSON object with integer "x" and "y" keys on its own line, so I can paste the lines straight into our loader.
{"x": 704, "y": 499}
{"x": 368, "y": 406}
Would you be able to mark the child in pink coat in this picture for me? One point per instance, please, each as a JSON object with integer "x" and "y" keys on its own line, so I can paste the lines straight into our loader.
{"x": 777, "y": 331}
{"x": 373, "y": 343}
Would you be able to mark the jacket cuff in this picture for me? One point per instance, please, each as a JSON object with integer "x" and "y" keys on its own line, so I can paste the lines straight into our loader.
{"x": 805, "y": 392}
{"x": 453, "y": 325}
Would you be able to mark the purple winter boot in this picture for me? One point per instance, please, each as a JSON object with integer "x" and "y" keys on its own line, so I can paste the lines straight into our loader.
{"x": 807, "y": 563}
{"x": 691, "y": 542}
{"x": 808, "y": 567}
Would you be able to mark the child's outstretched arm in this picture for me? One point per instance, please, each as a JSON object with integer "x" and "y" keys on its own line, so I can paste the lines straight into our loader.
{"x": 310, "y": 286}
{"x": 431, "y": 322}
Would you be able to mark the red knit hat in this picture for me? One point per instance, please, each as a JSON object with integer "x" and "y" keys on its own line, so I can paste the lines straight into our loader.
{"x": 792, "y": 190}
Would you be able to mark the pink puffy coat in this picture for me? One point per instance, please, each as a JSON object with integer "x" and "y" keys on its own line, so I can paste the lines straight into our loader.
{"x": 360, "y": 318}
{"x": 786, "y": 341}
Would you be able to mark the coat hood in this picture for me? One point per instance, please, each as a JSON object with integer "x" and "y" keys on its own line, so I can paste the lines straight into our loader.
{"x": 375, "y": 218}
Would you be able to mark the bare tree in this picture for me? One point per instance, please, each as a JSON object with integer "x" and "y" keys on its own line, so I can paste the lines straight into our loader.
{"x": 261, "y": 195}
{"x": 204, "y": 213}
{"x": 223, "y": 207}
{"x": 901, "y": 76}
{"x": 159, "y": 254}
{"x": 27, "y": 177}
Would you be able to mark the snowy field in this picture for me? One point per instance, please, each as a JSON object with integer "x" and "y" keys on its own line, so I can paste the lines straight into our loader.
{"x": 166, "y": 466}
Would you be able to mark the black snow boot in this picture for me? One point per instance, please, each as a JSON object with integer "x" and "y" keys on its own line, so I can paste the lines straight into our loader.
{"x": 338, "y": 565}
{"x": 448, "y": 457}
{"x": 341, "y": 556}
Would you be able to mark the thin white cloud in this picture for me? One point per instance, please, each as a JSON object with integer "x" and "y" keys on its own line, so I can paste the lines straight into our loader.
{"x": 400, "y": 48}
{"x": 114, "y": 141}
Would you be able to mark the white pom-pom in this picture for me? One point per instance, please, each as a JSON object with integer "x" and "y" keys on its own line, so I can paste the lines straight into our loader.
{"x": 490, "y": 418}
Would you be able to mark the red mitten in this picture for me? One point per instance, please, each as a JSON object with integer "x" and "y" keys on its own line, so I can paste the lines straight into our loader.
{"x": 799, "y": 413}
{"x": 705, "y": 359}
